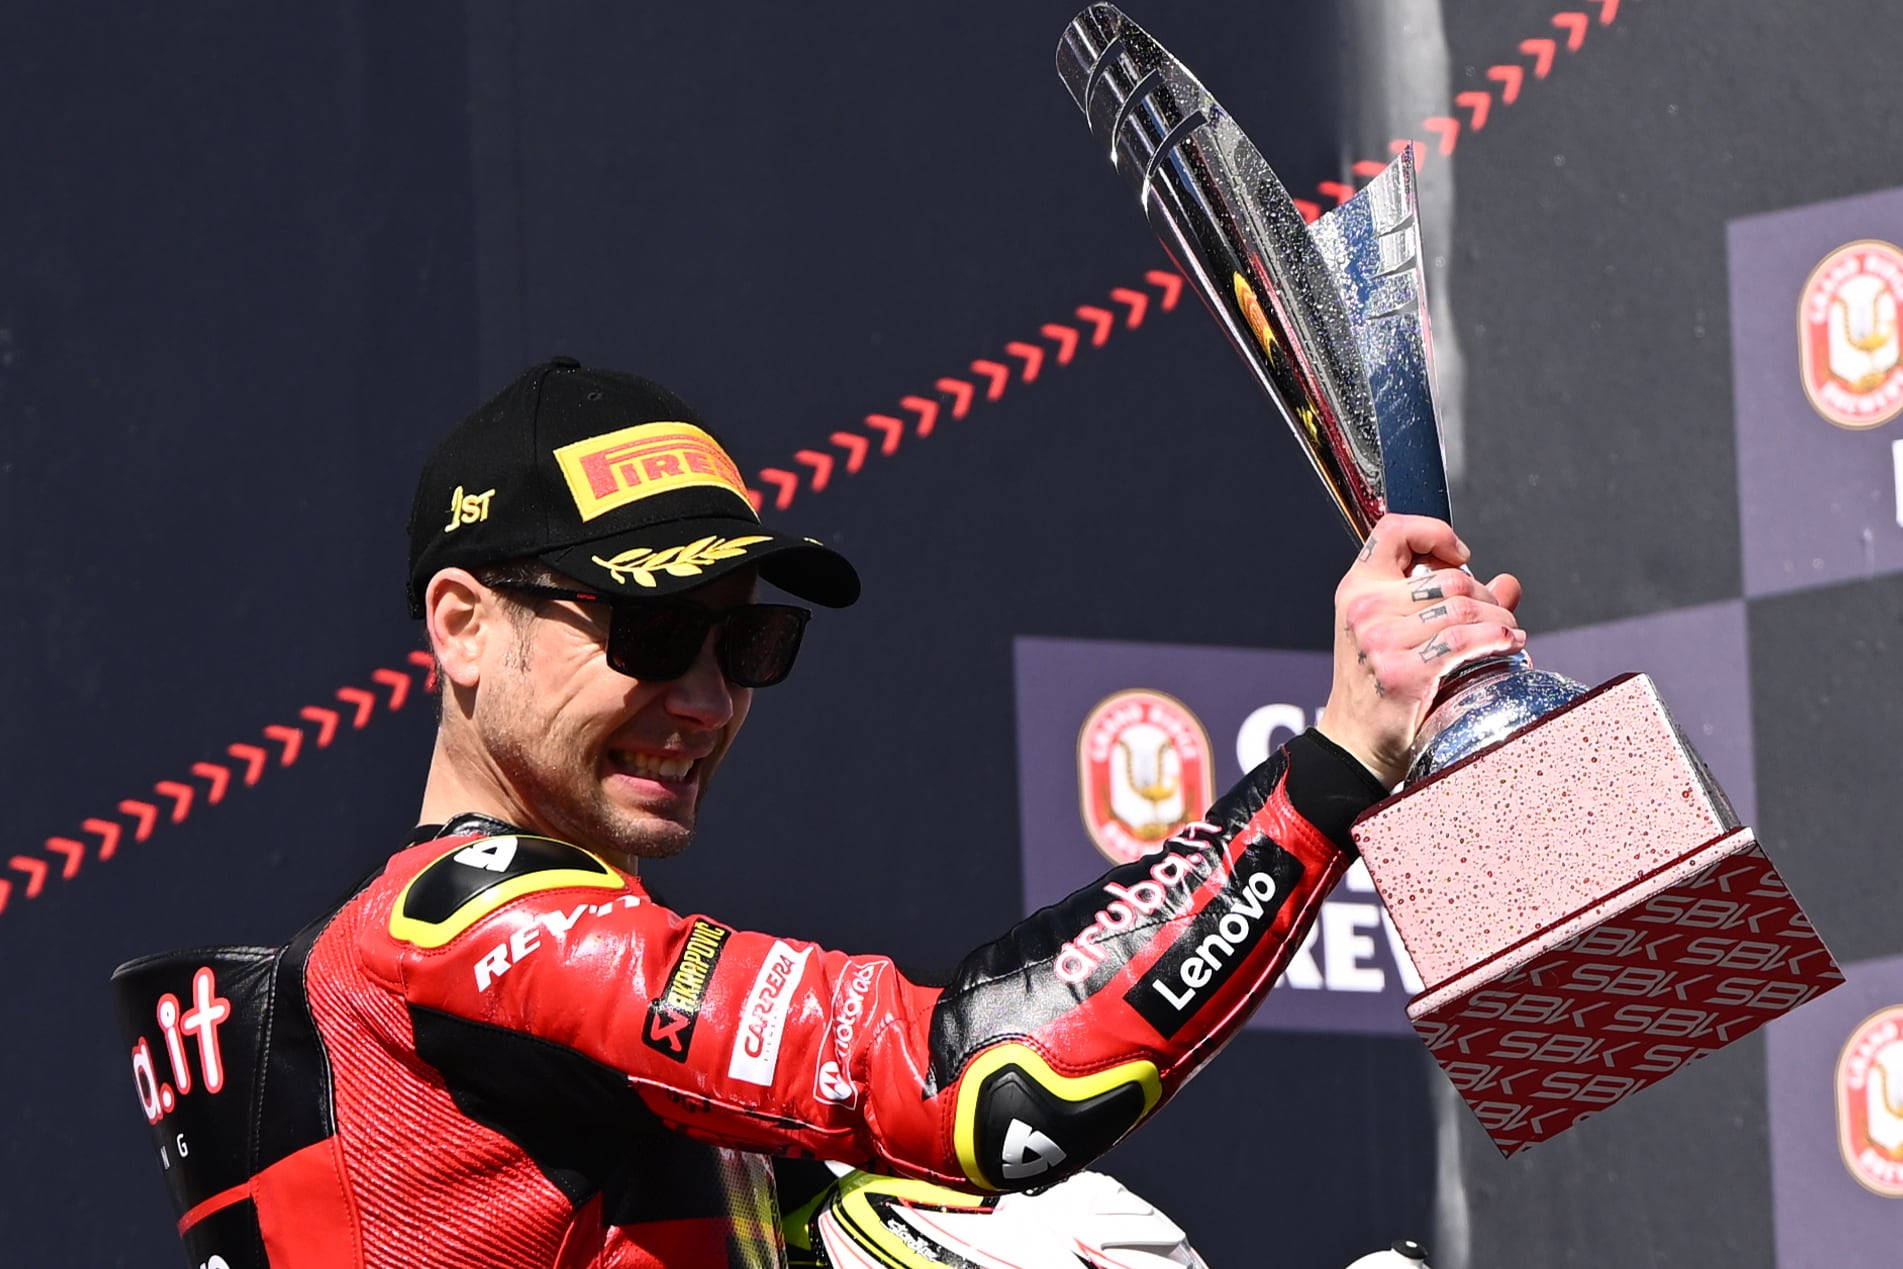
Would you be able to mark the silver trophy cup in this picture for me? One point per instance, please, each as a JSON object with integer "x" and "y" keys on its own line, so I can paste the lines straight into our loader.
{"x": 1331, "y": 319}
{"x": 1605, "y": 848}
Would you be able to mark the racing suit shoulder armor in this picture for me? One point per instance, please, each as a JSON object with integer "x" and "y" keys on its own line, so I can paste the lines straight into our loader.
{"x": 472, "y": 878}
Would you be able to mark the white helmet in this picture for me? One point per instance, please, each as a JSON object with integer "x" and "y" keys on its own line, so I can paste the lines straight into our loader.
{"x": 1405, "y": 1254}
{"x": 1089, "y": 1221}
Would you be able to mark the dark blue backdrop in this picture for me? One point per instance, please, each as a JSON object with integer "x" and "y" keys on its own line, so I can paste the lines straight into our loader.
{"x": 253, "y": 262}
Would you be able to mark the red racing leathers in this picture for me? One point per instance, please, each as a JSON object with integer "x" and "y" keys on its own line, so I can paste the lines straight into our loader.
{"x": 501, "y": 1052}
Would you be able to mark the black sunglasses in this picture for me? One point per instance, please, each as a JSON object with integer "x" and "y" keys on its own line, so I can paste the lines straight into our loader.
{"x": 659, "y": 638}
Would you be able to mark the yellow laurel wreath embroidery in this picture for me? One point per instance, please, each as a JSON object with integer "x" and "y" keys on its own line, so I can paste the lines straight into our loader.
{"x": 641, "y": 564}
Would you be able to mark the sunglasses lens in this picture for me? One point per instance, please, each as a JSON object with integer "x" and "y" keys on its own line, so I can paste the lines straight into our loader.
{"x": 657, "y": 641}
{"x": 759, "y": 644}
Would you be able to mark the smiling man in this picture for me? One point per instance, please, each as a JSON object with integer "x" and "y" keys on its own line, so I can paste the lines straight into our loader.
{"x": 501, "y": 1051}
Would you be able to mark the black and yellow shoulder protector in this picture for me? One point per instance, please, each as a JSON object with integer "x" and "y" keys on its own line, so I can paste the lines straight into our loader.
{"x": 473, "y": 880}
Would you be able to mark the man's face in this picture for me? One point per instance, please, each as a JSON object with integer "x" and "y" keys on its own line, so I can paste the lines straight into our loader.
{"x": 590, "y": 755}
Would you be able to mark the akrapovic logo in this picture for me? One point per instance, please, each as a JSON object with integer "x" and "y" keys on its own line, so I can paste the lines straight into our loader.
{"x": 672, "y": 1016}
{"x": 756, "y": 1050}
{"x": 1213, "y": 943}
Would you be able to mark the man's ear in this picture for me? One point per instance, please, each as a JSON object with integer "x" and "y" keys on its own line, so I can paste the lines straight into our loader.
{"x": 460, "y": 614}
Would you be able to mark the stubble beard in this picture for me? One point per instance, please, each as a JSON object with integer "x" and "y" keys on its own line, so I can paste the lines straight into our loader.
{"x": 569, "y": 801}
{"x": 555, "y": 778}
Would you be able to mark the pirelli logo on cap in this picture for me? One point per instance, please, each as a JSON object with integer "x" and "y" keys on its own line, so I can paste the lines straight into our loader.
{"x": 609, "y": 471}
{"x": 672, "y": 1015}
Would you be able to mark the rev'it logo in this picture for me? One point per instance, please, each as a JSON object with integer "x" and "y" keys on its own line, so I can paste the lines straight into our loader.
{"x": 605, "y": 472}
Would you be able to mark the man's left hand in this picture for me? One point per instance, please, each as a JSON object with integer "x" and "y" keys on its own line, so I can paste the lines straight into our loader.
{"x": 1401, "y": 629}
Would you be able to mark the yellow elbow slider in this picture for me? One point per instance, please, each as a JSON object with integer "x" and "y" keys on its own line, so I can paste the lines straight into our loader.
{"x": 1019, "y": 1123}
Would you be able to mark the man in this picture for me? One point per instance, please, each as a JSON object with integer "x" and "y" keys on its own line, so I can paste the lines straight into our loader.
{"x": 501, "y": 1051}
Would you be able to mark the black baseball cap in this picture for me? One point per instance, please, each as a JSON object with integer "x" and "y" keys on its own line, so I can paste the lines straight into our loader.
{"x": 609, "y": 479}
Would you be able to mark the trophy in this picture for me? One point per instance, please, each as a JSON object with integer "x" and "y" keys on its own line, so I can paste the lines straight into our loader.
{"x": 1584, "y": 908}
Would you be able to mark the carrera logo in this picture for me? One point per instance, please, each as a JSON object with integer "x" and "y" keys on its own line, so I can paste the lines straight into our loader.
{"x": 1207, "y": 952}
{"x": 1847, "y": 335}
{"x": 849, "y": 1007}
{"x": 1143, "y": 772}
{"x": 671, "y": 1017}
{"x": 1078, "y": 959}
{"x": 756, "y": 1050}
{"x": 605, "y": 472}
{"x": 1870, "y": 1103}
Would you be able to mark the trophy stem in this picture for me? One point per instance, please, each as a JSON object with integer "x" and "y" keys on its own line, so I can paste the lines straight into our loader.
{"x": 1481, "y": 705}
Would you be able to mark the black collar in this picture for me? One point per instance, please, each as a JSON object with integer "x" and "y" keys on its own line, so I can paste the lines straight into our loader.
{"x": 469, "y": 823}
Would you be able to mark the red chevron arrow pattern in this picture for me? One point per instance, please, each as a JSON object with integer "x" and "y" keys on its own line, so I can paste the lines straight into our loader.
{"x": 35, "y": 870}
{"x": 425, "y": 662}
{"x": 176, "y": 799}
{"x": 326, "y": 720}
{"x": 822, "y": 465}
{"x": 363, "y": 702}
{"x": 108, "y": 831}
{"x": 855, "y": 446}
{"x": 997, "y": 375}
{"x": 890, "y": 428}
{"x": 144, "y": 813}
{"x": 927, "y": 410}
{"x": 1574, "y": 24}
{"x": 253, "y": 759}
{"x": 1538, "y": 53}
{"x": 181, "y": 795}
{"x": 1136, "y": 302}
{"x": 955, "y": 397}
{"x": 1477, "y": 105}
{"x": 73, "y": 852}
{"x": 960, "y": 393}
{"x": 220, "y": 778}
{"x": 1066, "y": 340}
{"x": 1031, "y": 355}
{"x": 1063, "y": 339}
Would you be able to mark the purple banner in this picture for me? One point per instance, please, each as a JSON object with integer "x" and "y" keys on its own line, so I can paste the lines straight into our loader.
{"x": 1699, "y": 659}
{"x": 1817, "y": 374}
{"x": 1835, "y": 1075}
{"x": 1117, "y": 743}
{"x": 1346, "y": 977}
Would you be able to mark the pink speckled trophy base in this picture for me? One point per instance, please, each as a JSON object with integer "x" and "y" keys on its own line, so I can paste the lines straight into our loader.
{"x": 1494, "y": 849}
{"x": 1586, "y": 913}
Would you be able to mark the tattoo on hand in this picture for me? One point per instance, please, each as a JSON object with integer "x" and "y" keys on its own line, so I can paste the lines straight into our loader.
{"x": 1367, "y": 552}
{"x": 1434, "y": 614}
{"x": 1427, "y": 589}
{"x": 1436, "y": 648}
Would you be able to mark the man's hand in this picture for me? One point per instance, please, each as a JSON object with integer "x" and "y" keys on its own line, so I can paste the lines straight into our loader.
{"x": 1400, "y": 631}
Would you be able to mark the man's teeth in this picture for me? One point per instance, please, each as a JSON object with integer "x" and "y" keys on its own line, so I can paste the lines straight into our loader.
{"x": 652, "y": 766}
